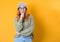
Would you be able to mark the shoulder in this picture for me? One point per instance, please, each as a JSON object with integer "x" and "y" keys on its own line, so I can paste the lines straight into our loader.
{"x": 15, "y": 19}
{"x": 30, "y": 15}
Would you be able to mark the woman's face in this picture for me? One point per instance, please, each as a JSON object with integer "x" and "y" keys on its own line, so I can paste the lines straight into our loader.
{"x": 22, "y": 10}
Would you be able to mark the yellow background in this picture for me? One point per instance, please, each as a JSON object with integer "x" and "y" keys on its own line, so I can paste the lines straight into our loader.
{"x": 46, "y": 15}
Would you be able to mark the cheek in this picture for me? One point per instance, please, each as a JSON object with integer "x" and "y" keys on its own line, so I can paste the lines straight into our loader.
{"x": 24, "y": 10}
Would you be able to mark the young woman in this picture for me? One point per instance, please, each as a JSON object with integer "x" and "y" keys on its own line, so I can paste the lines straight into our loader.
{"x": 24, "y": 24}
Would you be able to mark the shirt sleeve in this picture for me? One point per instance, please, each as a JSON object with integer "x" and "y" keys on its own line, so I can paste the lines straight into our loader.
{"x": 30, "y": 29}
{"x": 18, "y": 25}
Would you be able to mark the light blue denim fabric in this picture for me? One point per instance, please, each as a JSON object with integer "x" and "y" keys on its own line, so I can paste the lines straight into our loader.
{"x": 23, "y": 39}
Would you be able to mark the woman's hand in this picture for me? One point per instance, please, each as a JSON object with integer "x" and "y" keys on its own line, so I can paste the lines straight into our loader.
{"x": 17, "y": 33}
{"x": 22, "y": 15}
